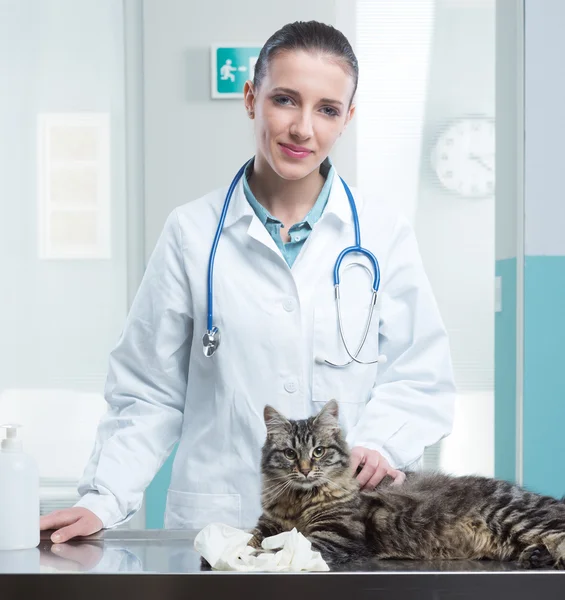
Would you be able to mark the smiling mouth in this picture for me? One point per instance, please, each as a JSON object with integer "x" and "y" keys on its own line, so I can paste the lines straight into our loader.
{"x": 295, "y": 151}
{"x": 296, "y": 148}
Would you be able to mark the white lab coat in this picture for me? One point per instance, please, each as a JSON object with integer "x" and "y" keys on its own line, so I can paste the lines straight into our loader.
{"x": 274, "y": 320}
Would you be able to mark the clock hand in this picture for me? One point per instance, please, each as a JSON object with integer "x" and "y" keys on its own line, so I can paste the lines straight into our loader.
{"x": 479, "y": 159}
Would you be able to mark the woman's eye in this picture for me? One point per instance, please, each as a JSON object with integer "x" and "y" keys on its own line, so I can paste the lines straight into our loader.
{"x": 318, "y": 452}
{"x": 282, "y": 100}
{"x": 290, "y": 454}
{"x": 331, "y": 112}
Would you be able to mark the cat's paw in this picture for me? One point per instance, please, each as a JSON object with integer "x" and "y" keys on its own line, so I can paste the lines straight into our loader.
{"x": 254, "y": 542}
{"x": 560, "y": 556}
{"x": 537, "y": 556}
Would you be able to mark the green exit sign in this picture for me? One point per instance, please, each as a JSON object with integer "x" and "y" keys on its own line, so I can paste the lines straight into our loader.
{"x": 232, "y": 66}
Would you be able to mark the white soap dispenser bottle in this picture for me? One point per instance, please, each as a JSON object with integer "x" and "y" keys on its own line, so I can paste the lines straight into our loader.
{"x": 19, "y": 494}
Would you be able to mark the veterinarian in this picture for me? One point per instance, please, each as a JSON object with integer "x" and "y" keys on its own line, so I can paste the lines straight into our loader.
{"x": 238, "y": 308}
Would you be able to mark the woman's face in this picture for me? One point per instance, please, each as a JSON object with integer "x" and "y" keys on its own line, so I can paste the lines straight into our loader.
{"x": 300, "y": 109}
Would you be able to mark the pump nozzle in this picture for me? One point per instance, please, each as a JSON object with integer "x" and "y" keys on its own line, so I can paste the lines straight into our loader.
{"x": 11, "y": 443}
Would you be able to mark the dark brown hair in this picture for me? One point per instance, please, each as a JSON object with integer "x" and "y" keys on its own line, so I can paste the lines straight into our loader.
{"x": 309, "y": 36}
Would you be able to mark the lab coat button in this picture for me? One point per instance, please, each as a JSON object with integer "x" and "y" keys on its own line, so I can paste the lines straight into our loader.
{"x": 289, "y": 304}
{"x": 291, "y": 386}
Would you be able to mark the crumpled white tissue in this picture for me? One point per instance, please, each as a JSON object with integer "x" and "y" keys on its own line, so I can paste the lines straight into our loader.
{"x": 226, "y": 549}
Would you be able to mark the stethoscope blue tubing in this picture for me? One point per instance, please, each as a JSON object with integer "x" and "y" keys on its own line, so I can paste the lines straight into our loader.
{"x": 351, "y": 249}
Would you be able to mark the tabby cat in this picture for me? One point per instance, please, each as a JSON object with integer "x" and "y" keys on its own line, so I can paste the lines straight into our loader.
{"x": 307, "y": 484}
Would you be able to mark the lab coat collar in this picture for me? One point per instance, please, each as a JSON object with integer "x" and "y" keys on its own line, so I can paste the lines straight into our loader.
{"x": 239, "y": 207}
{"x": 239, "y": 210}
{"x": 338, "y": 204}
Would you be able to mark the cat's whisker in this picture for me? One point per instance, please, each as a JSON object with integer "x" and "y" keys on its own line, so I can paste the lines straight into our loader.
{"x": 271, "y": 499}
{"x": 285, "y": 476}
{"x": 273, "y": 483}
{"x": 277, "y": 480}
{"x": 273, "y": 489}
{"x": 278, "y": 491}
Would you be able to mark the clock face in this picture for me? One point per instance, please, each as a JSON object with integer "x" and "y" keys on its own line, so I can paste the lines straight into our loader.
{"x": 463, "y": 157}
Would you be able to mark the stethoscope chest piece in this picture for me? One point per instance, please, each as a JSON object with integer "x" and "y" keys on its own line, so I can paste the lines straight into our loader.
{"x": 211, "y": 341}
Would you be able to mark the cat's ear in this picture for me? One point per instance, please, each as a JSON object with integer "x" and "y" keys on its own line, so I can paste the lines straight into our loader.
{"x": 275, "y": 421}
{"x": 328, "y": 416}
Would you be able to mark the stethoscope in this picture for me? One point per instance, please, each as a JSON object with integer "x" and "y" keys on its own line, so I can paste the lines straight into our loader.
{"x": 211, "y": 339}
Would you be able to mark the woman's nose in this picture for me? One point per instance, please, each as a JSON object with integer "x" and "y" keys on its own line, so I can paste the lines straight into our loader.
{"x": 302, "y": 127}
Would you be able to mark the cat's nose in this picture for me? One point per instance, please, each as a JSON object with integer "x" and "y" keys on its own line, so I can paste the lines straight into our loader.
{"x": 305, "y": 470}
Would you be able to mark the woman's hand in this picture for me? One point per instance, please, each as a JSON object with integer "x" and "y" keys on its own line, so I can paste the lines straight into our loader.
{"x": 70, "y": 523}
{"x": 374, "y": 468}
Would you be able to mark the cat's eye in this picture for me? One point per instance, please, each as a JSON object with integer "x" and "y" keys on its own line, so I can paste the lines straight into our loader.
{"x": 318, "y": 452}
{"x": 290, "y": 454}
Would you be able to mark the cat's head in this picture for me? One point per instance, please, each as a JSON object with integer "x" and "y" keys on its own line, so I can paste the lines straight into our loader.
{"x": 304, "y": 454}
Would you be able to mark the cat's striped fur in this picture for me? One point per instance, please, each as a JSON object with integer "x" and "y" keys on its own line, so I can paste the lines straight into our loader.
{"x": 429, "y": 516}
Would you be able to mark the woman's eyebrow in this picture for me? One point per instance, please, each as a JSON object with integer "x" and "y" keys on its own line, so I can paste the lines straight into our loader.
{"x": 285, "y": 90}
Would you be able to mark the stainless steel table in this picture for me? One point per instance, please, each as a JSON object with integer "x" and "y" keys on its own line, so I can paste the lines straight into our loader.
{"x": 163, "y": 564}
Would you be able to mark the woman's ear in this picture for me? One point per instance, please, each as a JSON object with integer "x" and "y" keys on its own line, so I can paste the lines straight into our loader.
{"x": 249, "y": 98}
{"x": 348, "y": 117}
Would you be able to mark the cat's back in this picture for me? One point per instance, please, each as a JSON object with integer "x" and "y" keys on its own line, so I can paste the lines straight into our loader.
{"x": 440, "y": 491}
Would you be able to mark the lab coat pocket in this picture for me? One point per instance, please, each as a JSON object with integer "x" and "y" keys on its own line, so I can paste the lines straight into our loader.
{"x": 186, "y": 510}
{"x": 351, "y": 384}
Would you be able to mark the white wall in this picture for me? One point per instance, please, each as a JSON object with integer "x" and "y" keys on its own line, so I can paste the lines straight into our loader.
{"x": 394, "y": 52}
{"x": 509, "y": 129}
{"x": 58, "y": 319}
{"x": 545, "y": 128}
{"x": 456, "y": 235}
{"x": 470, "y": 448}
{"x": 194, "y": 144}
